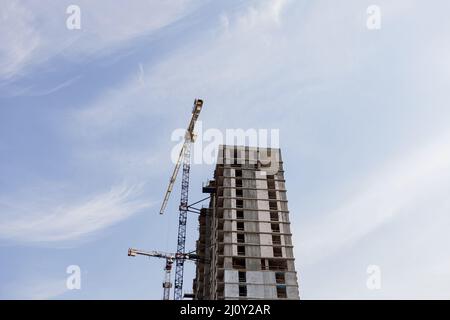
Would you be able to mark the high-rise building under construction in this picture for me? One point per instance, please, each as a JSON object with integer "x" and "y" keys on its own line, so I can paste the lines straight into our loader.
{"x": 245, "y": 243}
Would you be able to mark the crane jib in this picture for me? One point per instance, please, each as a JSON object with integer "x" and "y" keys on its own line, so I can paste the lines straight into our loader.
{"x": 189, "y": 138}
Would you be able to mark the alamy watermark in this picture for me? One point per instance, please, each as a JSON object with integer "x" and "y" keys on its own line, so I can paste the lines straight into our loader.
{"x": 73, "y": 21}
{"x": 374, "y": 280}
{"x": 206, "y": 149}
{"x": 73, "y": 281}
{"x": 373, "y": 17}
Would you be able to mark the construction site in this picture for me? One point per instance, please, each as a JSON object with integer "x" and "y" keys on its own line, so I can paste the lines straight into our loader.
{"x": 244, "y": 249}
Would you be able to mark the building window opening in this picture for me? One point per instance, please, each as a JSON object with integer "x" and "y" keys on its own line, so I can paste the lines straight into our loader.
{"x": 242, "y": 276}
{"x": 242, "y": 290}
{"x": 281, "y": 292}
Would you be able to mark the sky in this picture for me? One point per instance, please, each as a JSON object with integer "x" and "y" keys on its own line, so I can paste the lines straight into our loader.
{"x": 87, "y": 117}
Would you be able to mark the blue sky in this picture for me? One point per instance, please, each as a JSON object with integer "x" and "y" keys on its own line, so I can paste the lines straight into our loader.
{"x": 86, "y": 118}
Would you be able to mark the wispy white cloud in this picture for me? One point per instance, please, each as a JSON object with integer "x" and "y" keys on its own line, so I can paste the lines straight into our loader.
{"x": 56, "y": 88}
{"x": 39, "y": 92}
{"x": 34, "y": 32}
{"x": 37, "y": 289}
{"x": 116, "y": 106}
{"x": 106, "y": 22}
{"x": 18, "y": 37}
{"x": 70, "y": 222}
{"x": 391, "y": 191}
{"x": 259, "y": 15}
{"x": 251, "y": 35}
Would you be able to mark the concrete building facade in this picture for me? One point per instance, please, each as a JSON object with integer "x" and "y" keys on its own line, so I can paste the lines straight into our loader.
{"x": 245, "y": 243}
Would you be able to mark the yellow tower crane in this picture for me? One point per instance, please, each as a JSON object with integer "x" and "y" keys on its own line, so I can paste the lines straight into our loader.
{"x": 180, "y": 256}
